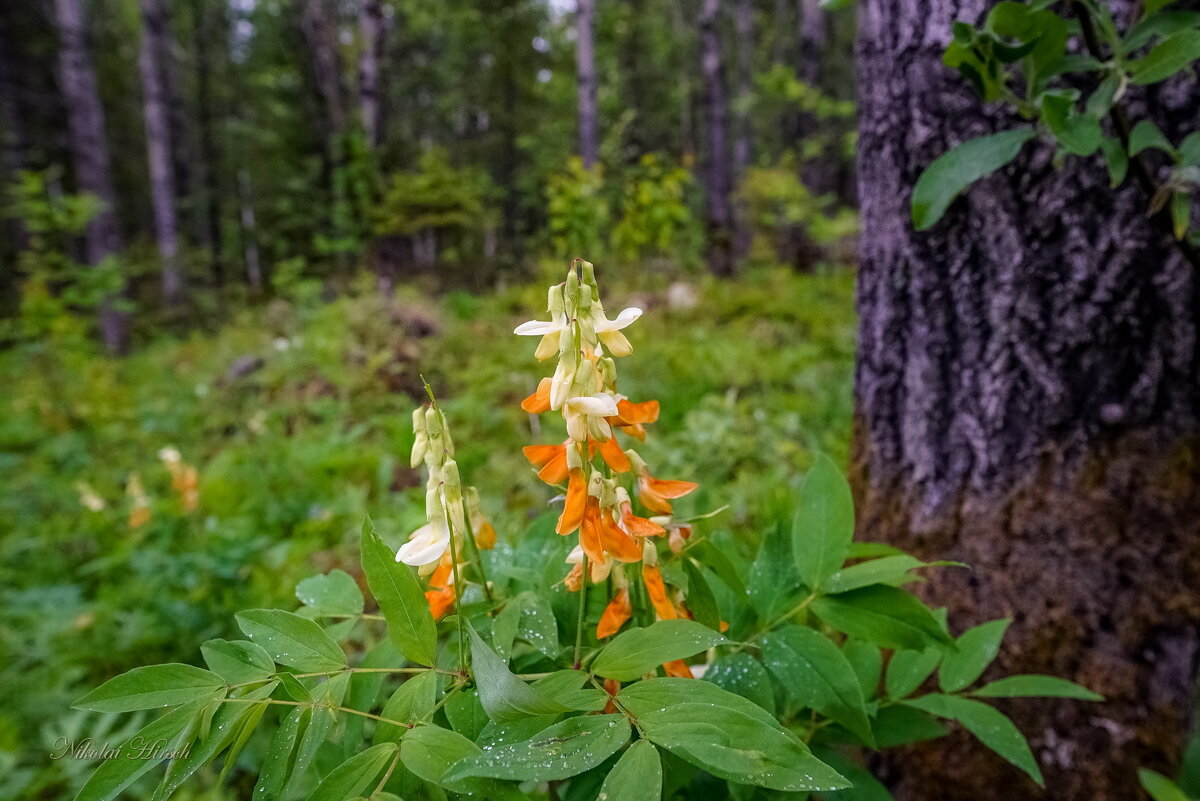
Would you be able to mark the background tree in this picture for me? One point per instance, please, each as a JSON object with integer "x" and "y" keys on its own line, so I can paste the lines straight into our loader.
{"x": 718, "y": 178}
{"x": 585, "y": 49}
{"x": 1026, "y": 400}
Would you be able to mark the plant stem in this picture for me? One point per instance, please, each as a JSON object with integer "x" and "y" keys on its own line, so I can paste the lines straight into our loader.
{"x": 474, "y": 548}
{"x": 348, "y": 710}
{"x": 583, "y": 582}
{"x": 798, "y": 608}
{"x": 462, "y": 633}
{"x": 391, "y": 769}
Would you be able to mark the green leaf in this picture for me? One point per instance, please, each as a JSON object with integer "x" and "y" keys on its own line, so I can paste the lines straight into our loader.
{"x": 823, "y": 524}
{"x": 886, "y": 616}
{"x": 1115, "y": 159}
{"x": 700, "y": 598}
{"x": 537, "y": 625}
{"x": 1078, "y": 133}
{"x": 1036, "y": 687}
{"x": 238, "y": 661}
{"x": 977, "y": 648}
{"x": 867, "y": 661}
{"x": 561, "y": 751}
{"x": 636, "y": 652}
{"x": 465, "y": 713}
{"x": 564, "y": 686}
{"x": 291, "y": 640}
{"x": 958, "y": 168}
{"x": 815, "y": 672}
{"x": 865, "y": 786}
{"x": 326, "y": 695}
{"x": 990, "y": 726}
{"x": 908, "y": 669}
{"x": 1171, "y": 55}
{"x": 1181, "y": 212}
{"x": 504, "y": 697}
{"x": 1160, "y": 787}
{"x": 1146, "y": 135}
{"x": 743, "y": 675}
{"x": 637, "y": 776}
{"x": 1189, "y": 149}
{"x": 351, "y": 778}
{"x": 410, "y": 624}
{"x": 412, "y": 701}
{"x": 152, "y": 687}
{"x": 898, "y": 725}
{"x": 889, "y": 570}
{"x": 1152, "y": 6}
{"x": 1163, "y": 25}
{"x": 726, "y": 735}
{"x": 719, "y": 562}
{"x": 133, "y": 761}
{"x": 277, "y": 765}
{"x": 430, "y": 752}
{"x": 773, "y": 580}
{"x": 334, "y": 593}
{"x": 504, "y": 627}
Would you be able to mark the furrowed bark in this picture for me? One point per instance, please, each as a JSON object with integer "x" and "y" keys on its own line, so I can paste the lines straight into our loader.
{"x": 1027, "y": 402}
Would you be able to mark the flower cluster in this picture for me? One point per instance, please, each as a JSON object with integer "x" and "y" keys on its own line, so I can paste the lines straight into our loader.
{"x": 452, "y": 511}
{"x": 592, "y": 462}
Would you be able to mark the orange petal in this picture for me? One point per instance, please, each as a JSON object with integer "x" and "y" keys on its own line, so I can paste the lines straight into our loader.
{"x": 668, "y": 488}
{"x": 441, "y": 577}
{"x": 574, "y": 578}
{"x": 612, "y": 687}
{"x": 555, "y": 470}
{"x": 485, "y": 536}
{"x": 614, "y": 457}
{"x": 590, "y": 533}
{"x": 678, "y": 669}
{"x": 572, "y": 513}
{"x": 638, "y": 432}
{"x": 616, "y": 542}
{"x": 641, "y": 527}
{"x": 637, "y": 413}
{"x": 440, "y": 601}
{"x": 616, "y": 614}
{"x": 539, "y": 401}
{"x": 652, "y": 500}
{"x": 657, "y": 591}
{"x": 539, "y": 455}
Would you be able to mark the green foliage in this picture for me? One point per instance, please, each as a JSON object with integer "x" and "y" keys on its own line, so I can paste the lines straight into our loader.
{"x": 435, "y": 196}
{"x": 655, "y": 220}
{"x": 577, "y": 210}
{"x": 777, "y": 202}
{"x": 1021, "y": 55}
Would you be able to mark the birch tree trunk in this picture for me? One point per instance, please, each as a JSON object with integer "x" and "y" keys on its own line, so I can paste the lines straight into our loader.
{"x": 585, "y": 64}
{"x": 370, "y": 24}
{"x": 1027, "y": 402}
{"x": 89, "y": 153}
{"x": 717, "y": 167}
{"x": 158, "y": 148}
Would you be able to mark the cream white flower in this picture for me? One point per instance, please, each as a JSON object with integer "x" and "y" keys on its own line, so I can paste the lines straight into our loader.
{"x": 426, "y": 546}
{"x": 609, "y": 331}
{"x": 585, "y": 416}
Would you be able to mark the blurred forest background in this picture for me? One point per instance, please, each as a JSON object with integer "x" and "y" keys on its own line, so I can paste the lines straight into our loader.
{"x": 234, "y": 232}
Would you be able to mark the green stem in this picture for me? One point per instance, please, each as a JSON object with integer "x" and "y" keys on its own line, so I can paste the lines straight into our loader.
{"x": 462, "y": 632}
{"x": 391, "y": 769}
{"x": 579, "y": 620}
{"x": 474, "y": 548}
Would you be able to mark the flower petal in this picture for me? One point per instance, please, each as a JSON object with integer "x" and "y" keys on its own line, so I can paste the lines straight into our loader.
{"x": 572, "y": 513}
{"x": 599, "y": 405}
{"x": 616, "y": 614}
{"x": 538, "y": 328}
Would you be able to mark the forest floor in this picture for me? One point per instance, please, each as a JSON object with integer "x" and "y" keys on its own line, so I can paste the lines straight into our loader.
{"x": 296, "y": 416}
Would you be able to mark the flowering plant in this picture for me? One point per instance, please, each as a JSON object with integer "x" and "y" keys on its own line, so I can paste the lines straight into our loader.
{"x": 664, "y": 664}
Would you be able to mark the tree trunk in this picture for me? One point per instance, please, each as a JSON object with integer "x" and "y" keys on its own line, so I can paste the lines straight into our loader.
{"x": 159, "y": 150}
{"x": 717, "y": 174}
{"x": 585, "y": 62}
{"x": 1026, "y": 402}
{"x": 13, "y": 148}
{"x": 744, "y": 27}
{"x": 211, "y": 27}
{"x": 89, "y": 152}
{"x": 370, "y": 24}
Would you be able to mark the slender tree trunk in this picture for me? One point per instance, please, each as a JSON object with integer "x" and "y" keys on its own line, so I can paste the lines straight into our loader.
{"x": 585, "y": 63}
{"x": 1027, "y": 402}
{"x": 320, "y": 35}
{"x": 744, "y": 27}
{"x": 819, "y": 174}
{"x": 89, "y": 152}
{"x": 210, "y": 25}
{"x": 717, "y": 173}
{"x": 370, "y": 23}
{"x": 254, "y": 274}
{"x": 159, "y": 149}
{"x": 13, "y": 144}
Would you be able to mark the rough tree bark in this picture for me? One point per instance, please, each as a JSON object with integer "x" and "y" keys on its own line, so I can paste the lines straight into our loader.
{"x": 89, "y": 152}
{"x": 585, "y": 65}
{"x": 718, "y": 180}
{"x": 158, "y": 148}
{"x": 370, "y": 25}
{"x": 1027, "y": 402}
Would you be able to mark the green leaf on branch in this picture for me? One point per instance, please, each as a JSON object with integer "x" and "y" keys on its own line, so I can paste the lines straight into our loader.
{"x": 1159, "y": 787}
{"x": 636, "y": 652}
{"x": 401, "y": 599}
{"x": 134, "y": 760}
{"x": 990, "y": 726}
{"x": 1036, "y": 687}
{"x": 886, "y": 616}
{"x": 1145, "y": 136}
{"x": 291, "y": 640}
{"x": 430, "y": 751}
{"x": 334, "y": 593}
{"x": 891, "y": 570}
{"x": 726, "y": 735}
{"x": 823, "y": 524}
{"x": 412, "y": 701}
{"x": 561, "y": 751}
{"x": 238, "y": 661}
{"x": 1181, "y": 213}
{"x": 743, "y": 675}
{"x": 700, "y": 598}
{"x": 1171, "y": 55}
{"x": 815, "y": 672}
{"x": 355, "y": 775}
{"x": 1078, "y": 133}
{"x": 898, "y": 725}
{"x": 867, "y": 661}
{"x": 908, "y": 669}
{"x": 637, "y": 776}
{"x": 277, "y": 765}
{"x": 152, "y": 687}
{"x": 504, "y": 697}
{"x": 1161, "y": 25}
{"x": 1115, "y": 159}
{"x": 977, "y": 648}
{"x": 958, "y": 168}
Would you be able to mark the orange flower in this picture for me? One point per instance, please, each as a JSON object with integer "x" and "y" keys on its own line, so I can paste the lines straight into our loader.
{"x": 614, "y": 457}
{"x": 539, "y": 401}
{"x": 678, "y": 669}
{"x": 657, "y": 590}
{"x": 552, "y": 459}
{"x": 617, "y": 541}
{"x": 612, "y": 687}
{"x": 441, "y": 592}
{"x": 577, "y": 495}
{"x": 654, "y": 492}
{"x": 616, "y": 614}
{"x": 590, "y": 536}
{"x": 639, "y": 526}
{"x": 485, "y": 536}
{"x": 633, "y": 417}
